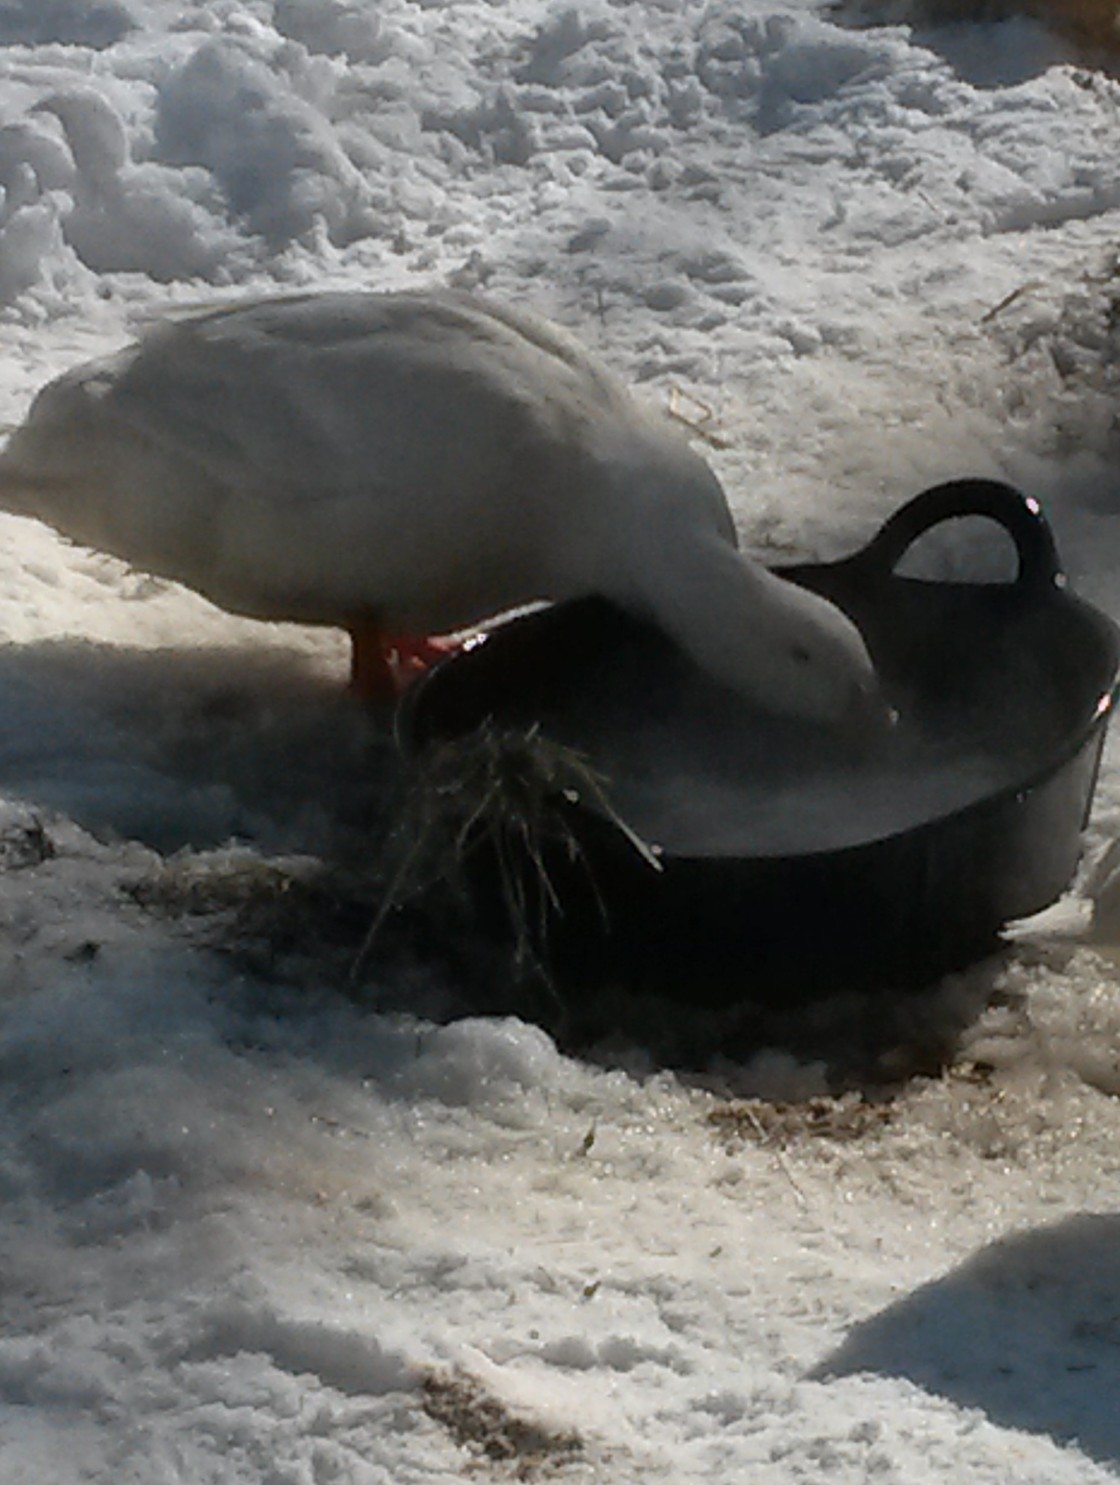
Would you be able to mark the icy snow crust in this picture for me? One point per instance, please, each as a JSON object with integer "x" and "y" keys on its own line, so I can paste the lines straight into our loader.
{"x": 252, "y": 1232}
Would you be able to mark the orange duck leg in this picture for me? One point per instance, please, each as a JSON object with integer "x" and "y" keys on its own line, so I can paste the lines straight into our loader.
{"x": 383, "y": 665}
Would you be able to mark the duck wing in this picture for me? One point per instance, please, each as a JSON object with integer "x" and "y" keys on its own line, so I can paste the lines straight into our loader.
{"x": 331, "y": 394}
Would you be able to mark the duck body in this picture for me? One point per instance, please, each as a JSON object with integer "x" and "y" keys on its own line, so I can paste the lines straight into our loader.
{"x": 413, "y": 456}
{"x": 411, "y": 463}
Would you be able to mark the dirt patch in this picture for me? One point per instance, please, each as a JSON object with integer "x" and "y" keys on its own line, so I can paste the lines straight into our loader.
{"x": 757, "y": 1121}
{"x": 489, "y": 1430}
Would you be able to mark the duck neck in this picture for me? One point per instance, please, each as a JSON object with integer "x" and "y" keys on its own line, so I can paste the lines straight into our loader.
{"x": 712, "y": 601}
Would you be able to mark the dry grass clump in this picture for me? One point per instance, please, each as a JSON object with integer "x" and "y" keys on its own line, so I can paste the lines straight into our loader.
{"x": 1061, "y": 339}
{"x": 511, "y": 796}
{"x": 447, "y": 912}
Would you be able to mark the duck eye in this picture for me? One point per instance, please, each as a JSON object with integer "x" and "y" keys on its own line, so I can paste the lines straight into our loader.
{"x": 801, "y": 654}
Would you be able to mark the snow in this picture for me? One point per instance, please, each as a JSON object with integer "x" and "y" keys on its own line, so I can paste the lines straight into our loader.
{"x": 259, "y": 1227}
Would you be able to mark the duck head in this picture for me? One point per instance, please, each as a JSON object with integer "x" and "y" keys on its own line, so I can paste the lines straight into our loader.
{"x": 788, "y": 650}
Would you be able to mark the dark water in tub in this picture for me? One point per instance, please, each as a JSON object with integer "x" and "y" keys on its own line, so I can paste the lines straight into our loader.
{"x": 992, "y": 688}
{"x": 701, "y": 772}
{"x": 757, "y": 787}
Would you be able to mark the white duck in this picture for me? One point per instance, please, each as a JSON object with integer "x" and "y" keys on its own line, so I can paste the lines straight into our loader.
{"x": 414, "y": 463}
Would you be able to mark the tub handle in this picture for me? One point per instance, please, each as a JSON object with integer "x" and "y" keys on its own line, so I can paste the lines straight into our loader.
{"x": 1019, "y": 515}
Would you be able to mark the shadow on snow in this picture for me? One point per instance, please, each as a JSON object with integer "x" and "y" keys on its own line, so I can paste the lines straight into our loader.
{"x": 1027, "y": 1330}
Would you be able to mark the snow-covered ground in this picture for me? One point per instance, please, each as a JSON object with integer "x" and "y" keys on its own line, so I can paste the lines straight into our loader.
{"x": 254, "y": 1231}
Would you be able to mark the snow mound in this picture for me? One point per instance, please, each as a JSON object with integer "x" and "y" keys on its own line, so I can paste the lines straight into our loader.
{"x": 92, "y": 23}
{"x": 271, "y": 151}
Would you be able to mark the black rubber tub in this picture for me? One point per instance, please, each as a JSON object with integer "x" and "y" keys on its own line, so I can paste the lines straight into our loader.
{"x": 781, "y": 861}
